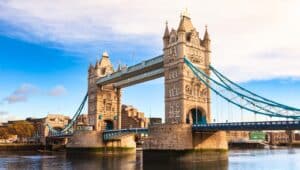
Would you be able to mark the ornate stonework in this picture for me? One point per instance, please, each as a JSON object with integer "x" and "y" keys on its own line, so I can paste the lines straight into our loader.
{"x": 182, "y": 91}
{"x": 104, "y": 105}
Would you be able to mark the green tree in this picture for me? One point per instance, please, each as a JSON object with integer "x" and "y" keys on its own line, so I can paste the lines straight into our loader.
{"x": 4, "y": 133}
{"x": 23, "y": 129}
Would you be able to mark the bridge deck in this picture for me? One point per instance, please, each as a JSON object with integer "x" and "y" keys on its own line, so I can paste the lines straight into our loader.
{"x": 249, "y": 126}
{"x": 112, "y": 134}
{"x": 144, "y": 71}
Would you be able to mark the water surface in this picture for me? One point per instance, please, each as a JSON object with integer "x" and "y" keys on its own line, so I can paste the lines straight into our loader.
{"x": 283, "y": 159}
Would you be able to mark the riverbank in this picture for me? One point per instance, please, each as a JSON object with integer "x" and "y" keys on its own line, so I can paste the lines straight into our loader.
{"x": 20, "y": 147}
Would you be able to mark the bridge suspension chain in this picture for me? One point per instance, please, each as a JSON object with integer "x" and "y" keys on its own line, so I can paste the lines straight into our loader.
{"x": 259, "y": 101}
{"x": 230, "y": 84}
{"x": 67, "y": 128}
{"x": 257, "y": 106}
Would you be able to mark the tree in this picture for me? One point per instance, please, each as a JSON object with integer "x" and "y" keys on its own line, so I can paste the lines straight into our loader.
{"x": 4, "y": 133}
{"x": 22, "y": 129}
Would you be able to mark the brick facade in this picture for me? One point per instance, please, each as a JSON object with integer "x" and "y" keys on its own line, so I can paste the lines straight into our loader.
{"x": 132, "y": 118}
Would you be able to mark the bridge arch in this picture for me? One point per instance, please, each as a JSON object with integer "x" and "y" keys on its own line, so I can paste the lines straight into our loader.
{"x": 56, "y": 128}
{"x": 108, "y": 124}
{"x": 196, "y": 115}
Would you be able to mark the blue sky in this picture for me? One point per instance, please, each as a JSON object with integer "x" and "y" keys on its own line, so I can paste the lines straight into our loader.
{"x": 44, "y": 55}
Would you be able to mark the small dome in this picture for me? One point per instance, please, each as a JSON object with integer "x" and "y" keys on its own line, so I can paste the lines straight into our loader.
{"x": 104, "y": 54}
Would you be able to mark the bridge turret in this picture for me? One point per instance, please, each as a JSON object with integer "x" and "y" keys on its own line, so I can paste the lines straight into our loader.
{"x": 206, "y": 40}
{"x": 166, "y": 37}
{"x": 91, "y": 68}
{"x": 185, "y": 26}
{"x": 104, "y": 66}
{"x": 97, "y": 69}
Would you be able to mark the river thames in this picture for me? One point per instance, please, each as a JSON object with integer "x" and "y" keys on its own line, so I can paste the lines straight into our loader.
{"x": 287, "y": 159}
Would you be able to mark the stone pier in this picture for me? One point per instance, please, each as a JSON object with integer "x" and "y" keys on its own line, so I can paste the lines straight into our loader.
{"x": 92, "y": 141}
{"x": 179, "y": 137}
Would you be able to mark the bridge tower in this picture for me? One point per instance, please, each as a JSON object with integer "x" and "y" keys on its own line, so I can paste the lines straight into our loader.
{"x": 186, "y": 99}
{"x": 104, "y": 105}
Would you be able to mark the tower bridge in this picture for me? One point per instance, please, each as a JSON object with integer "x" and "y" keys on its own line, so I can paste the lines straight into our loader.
{"x": 186, "y": 68}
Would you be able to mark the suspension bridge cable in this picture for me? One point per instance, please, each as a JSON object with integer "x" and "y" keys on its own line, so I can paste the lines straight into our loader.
{"x": 205, "y": 81}
{"x": 219, "y": 75}
{"x": 73, "y": 120}
{"x": 237, "y": 93}
{"x": 243, "y": 96}
{"x": 260, "y": 107}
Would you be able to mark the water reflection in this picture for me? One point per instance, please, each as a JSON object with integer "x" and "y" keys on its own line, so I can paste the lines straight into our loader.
{"x": 118, "y": 161}
{"x": 185, "y": 160}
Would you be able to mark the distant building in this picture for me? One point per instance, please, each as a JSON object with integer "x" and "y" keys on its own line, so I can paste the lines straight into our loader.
{"x": 132, "y": 118}
{"x": 155, "y": 120}
{"x": 56, "y": 121}
{"x": 82, "y": 120}
{"x": 278, "y": 138}
{"x": 82, "y": 123}
{"x": 237, "y": 136}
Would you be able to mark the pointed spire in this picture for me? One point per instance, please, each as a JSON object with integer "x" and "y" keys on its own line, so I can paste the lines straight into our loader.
{"x": 97, "y": 64}
{"x": 185, "y": 24}
{"x": 185, "y": 13}
{"x": 181, "y": 25}
{"x": 206, "y": 35}
{"x": 105, "y": 54}
{"x": 167, "y": 33}
{"x": 105, "y": 63}
{"x": 91, "y": 67}
{"x": 119, "y": 67}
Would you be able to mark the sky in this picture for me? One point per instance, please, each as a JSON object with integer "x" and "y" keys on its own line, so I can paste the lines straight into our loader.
{"x": 47, "y": 46}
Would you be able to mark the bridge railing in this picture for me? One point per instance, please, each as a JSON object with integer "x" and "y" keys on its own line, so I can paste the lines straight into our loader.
{"x": 111, "y": 134}
{"x": 263, "y": 125}
{"x": 60, "y": 134}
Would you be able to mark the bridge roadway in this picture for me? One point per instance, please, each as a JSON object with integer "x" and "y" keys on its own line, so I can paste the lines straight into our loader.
{"x": 114, "y": 134}
{"x": 141, "y": 72}
{"x": 248, "y": 126}
{"x": 234, "y": 126}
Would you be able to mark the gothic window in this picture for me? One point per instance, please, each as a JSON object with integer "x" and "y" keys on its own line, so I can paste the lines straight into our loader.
{"x": 103, "y": 71}
{"x": 170, "y": 92}
{"x": 171, "y": 109}
{"x": 173, "y": 91}
{"x": 188, "y": 37}
{"x": 173, "y": 74}
{"x": 188, "y": 89}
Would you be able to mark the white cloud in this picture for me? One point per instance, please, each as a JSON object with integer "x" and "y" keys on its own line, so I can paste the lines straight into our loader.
{"x": 57, "y": 91}
{"x": 258, "y": 39}
{"x": 2, "y": 113}
{"x": 21, "y": 94}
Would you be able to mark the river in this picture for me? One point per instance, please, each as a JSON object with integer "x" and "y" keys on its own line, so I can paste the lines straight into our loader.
{"x": 279, "y": 159}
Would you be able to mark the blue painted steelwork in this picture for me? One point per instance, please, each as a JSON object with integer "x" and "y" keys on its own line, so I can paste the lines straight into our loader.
{"x": 259, "y": 109}
{"x": 69, "y": 126}
{"x": 61, "y": 135}
{"x": 113, "y": 134}
{"x": 249, "y": 126}
{"x": 271, "y": 102}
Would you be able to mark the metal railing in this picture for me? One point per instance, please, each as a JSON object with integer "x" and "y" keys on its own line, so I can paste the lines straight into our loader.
{"x": 236, "y": 126}
{"x": 112, "y": 134}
